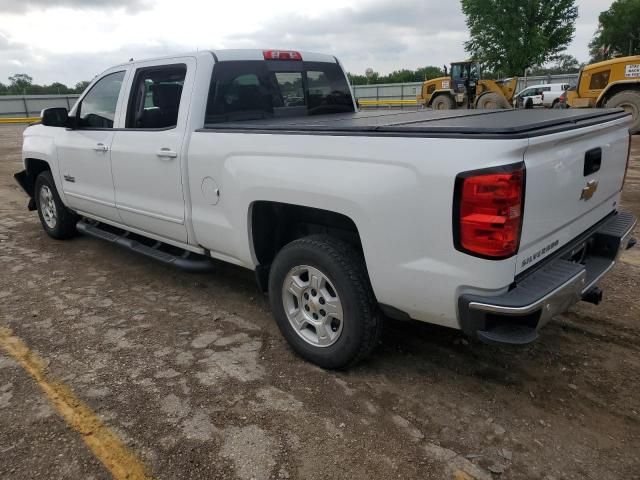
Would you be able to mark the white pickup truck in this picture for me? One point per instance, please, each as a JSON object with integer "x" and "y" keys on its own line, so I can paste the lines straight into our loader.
{"x": 488, "y": 222}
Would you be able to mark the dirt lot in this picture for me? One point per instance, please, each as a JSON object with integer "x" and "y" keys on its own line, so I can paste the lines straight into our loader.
{"x": 191, "y": 374}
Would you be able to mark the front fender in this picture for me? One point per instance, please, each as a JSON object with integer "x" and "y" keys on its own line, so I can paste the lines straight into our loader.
{"x": 39, "y": 145}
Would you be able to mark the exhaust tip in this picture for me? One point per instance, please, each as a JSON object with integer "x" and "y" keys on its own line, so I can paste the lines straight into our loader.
{"x": 593, "y": 295}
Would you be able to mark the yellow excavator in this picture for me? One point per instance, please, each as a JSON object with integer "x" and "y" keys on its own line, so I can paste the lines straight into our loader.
{"x": 612, "y": 83}
{"x": 465, "y": 88}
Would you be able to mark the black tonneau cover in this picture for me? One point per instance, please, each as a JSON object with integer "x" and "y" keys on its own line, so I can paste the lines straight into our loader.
{"x": 429, "y": 123}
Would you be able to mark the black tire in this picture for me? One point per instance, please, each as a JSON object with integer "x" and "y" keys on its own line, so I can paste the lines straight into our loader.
{"x": 529, "y": 104}
{"x": 344, "y": 268}
{"x": 64, "y": 225}
{"x": 492, "y": 101}
{"x": 554, "y": 103}
{"x": 630, "y": 101}
{"x": 443, "y": 102}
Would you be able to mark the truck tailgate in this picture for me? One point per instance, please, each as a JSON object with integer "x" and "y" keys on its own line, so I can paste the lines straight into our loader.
{"x": 573, "y": 180}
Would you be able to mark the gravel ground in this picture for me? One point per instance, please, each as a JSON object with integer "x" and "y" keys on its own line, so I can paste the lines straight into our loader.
{"x": 192, "y": 375}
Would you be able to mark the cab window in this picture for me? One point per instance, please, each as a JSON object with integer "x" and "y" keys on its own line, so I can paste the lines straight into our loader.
{"x": 290, "y": 87}
{"x": 251, "y": 90}
{"x": 599, "y": 80}
{"x": 98, "y": 107}
{"x": 155, "y": 97}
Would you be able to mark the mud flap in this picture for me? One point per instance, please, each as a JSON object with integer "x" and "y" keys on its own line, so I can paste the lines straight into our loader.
{"x": 26, "y": 182}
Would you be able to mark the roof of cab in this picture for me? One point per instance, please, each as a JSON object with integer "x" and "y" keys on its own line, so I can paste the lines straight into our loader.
{"x": 614, "y": 61}
{"x": 227, "y": 55}
{"x": 258, "y": 54}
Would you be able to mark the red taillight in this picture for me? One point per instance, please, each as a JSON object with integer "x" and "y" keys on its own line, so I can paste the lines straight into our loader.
{"x": 281, "y": 55}
{"x": 488, "y": 211}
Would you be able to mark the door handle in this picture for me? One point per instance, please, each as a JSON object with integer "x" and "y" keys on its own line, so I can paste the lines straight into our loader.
{"x": 101, "y": 147}
{"x": 165, "y": 152}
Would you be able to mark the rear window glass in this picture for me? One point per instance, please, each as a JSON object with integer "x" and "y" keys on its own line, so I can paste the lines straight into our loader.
{"x": 251, "y": 90}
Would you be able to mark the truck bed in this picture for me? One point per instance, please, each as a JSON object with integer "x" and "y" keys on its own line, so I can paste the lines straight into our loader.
{"x": 429, "y": 123}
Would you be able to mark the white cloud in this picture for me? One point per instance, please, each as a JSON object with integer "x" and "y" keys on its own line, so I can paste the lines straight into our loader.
{"x": 72, "y": 40}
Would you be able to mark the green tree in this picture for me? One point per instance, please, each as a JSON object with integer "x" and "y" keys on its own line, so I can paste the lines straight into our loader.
{"x": 618, "y": 32}
{"x": 20, "y": 83}
{"x": 563, "y": 63}
{"x": 508, "y": 36}
{"x": 81, "y": 86}
{"x": 58, "y": 88}
{"x": 398, "y": 76}
{"x": 427, "y": 73}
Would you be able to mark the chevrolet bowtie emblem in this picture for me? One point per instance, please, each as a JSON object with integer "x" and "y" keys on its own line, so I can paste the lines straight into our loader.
{"x": 589, "y": 190}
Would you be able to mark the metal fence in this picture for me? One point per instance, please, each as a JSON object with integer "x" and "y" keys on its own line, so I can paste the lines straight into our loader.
{"x": 396, "y": 95}
{"x": 403, "y": 95}
{"x": 31, "y": 105}
{"x": 385, "y": 94}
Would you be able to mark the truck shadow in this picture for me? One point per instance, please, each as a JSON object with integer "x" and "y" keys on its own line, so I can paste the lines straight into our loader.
{"x": 420, "y": 348}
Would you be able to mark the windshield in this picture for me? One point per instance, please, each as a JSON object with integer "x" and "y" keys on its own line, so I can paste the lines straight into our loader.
{"x": 457, "y": 71}
{"x": 251, "y": 90}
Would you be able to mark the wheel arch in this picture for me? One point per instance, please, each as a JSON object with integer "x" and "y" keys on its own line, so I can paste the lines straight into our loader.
{"x": 272, "y": 225}
{"x": 614, "y": 88}
{"x": 33, "y": 168}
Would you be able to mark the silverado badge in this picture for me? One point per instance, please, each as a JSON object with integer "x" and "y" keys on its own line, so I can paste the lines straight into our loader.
{"x": 589, "y": 190}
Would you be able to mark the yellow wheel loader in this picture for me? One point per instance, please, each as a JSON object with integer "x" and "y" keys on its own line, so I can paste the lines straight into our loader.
{"x": 465, "y": 88}
{"x": 612, "y": 83}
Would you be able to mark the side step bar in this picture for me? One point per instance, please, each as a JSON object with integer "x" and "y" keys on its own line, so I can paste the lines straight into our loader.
{"x": 185, "y": 260}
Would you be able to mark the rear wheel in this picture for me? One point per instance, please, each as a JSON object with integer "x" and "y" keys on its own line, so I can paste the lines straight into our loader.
{"x": 58, "y": 221}
{"x": 442, "y": 102}
{"x": 492, "y": 101}
{"x": 629, "y": 100}
{"x": 322, "y": 301}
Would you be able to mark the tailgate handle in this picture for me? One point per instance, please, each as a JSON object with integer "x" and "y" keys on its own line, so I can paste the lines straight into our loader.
{"x": 592, "y": 161}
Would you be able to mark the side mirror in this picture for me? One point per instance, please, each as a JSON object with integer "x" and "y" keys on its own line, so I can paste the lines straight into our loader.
{"x": 54, "y": 117}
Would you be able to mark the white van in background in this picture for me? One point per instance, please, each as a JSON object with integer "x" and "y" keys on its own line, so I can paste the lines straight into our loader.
{"x": 550, "y": 97}
{"x": 539, "y": 95}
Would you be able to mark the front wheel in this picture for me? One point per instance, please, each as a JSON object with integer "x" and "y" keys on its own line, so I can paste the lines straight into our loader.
{"x": 492, "y": 101}
{"x": 323, "y": 302}
{"x": 58, "y": 221}
{"x": 443, "y": 102}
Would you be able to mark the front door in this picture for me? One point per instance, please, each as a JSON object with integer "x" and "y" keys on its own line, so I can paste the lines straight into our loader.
{"x": 147, "y": 154}
{"x": 84, "y": 153}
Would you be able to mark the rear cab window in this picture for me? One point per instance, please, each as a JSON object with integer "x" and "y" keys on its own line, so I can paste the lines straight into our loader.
{"x": 155, "y": 97}
{"x": 257, "y": 89}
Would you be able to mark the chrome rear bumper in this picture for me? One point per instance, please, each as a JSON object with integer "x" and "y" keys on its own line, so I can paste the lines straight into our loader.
{"x": 552, "y": 288}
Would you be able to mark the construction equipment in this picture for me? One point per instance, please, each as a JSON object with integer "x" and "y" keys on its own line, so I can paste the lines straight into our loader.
{"x": 465, "y": 88}
{"x": 612, "y": 83}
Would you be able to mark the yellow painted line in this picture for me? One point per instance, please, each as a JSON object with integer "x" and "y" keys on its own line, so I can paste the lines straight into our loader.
{"x": 19, "y": 119}
{"x": 104, "y": 444}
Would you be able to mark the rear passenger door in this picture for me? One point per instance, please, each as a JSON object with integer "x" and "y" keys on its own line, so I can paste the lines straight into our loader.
{"x": 147, "y": 154}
